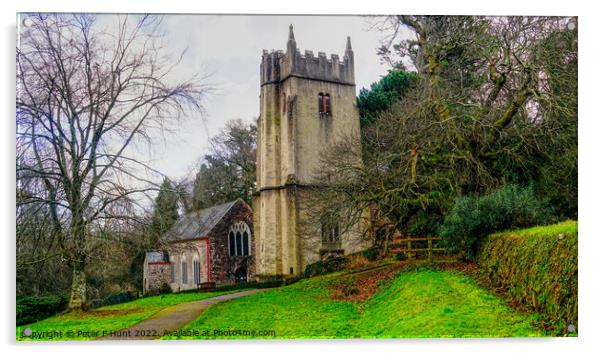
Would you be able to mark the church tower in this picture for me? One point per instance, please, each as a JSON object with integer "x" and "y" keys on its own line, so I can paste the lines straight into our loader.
{"x": 306, "y": 102}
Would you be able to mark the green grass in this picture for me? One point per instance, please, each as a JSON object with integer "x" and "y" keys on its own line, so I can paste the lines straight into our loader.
{"x": 88, "y": 325}
{"x": 427, "y": 303}
{"x": 416, "y": 303}
{"x": 565, "y": 227}
{"x": 300, "y": 310}
{"x": 419, "y": 303}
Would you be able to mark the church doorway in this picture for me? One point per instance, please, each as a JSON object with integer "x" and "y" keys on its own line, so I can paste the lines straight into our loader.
{"x": 240, "y": 275}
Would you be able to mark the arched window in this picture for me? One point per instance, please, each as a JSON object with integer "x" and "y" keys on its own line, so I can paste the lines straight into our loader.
{"x": 231, "y": 243}
{"x": 184, "y": 272}
{"x": 238, "y": 244}
{"x": 324, "y": 103}
{"x": 196, "y": 271}
{"x": 239, "y": 239}
{"x": 245, "y": 244}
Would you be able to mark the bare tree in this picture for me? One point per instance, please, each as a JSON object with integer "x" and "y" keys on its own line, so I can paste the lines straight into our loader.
{"x": 85, "y": 98}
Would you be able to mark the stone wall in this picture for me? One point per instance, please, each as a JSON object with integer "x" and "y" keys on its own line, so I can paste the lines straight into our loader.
{"x": 155, "y": 275}
{"x": 188, "y": 252}
{"x": 223, "y": 266}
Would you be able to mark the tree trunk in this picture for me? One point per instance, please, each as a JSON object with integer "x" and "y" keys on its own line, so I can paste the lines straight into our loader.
{"x": 78, "y": 298}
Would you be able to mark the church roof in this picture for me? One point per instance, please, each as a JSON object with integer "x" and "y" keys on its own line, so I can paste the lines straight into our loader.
{"x": 199, "y": 223}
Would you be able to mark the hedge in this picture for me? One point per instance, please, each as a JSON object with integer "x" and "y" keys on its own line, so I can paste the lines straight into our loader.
{"x": 115, "y": 298}
{"x": 32, "y": 309}
{"x": 536, "y": 267}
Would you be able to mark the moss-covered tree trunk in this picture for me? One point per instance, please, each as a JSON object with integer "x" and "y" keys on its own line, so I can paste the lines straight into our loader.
{"x": 78, "y": 299}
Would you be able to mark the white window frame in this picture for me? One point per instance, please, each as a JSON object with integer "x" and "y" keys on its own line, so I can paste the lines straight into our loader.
{"x": 239, "y": 227}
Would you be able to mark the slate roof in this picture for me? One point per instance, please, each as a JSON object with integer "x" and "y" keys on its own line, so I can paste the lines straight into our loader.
{"x": 198, "y": 224}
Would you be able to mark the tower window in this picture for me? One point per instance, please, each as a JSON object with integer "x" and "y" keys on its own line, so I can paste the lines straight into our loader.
{"x": 283, "y": 103}
{"x": 321, "y": 102}
{"x": 324, "y": 103}
{"x": 327, "y": 104}
{"x": 330, "y": 234}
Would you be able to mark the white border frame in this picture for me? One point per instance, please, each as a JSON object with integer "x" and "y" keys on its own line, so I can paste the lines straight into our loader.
{"x": 589, "y": 142}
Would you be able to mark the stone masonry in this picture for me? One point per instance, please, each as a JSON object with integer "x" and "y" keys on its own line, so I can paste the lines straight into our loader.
{"x": 291, "y": 135}
{"x": 197, "y": 252}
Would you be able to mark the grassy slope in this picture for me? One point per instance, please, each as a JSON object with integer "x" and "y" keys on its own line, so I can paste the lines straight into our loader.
{"x": 111, "y": 318}
{"x": 300, "y": 310}
{"x": 439, "y": 304}
{"x": 421, "y": 303}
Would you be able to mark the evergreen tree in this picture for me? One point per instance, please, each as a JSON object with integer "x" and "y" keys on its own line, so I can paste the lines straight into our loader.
{"x": 165, "y": 212}
{"x": 228, "y": 171}
{"x": 383, "y": 93}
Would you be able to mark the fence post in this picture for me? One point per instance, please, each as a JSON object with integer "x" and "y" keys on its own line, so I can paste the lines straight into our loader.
{"x": 430, "y": 248}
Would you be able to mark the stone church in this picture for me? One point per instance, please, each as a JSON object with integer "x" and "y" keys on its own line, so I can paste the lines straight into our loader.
{"x": 306, "y": 104}
{"x": 210, "y": 247}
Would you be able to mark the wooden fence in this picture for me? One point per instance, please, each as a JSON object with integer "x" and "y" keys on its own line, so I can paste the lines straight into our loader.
{"x": 426, "y": 245}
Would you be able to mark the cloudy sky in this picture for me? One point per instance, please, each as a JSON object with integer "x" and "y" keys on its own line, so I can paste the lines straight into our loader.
{"x": 228, "y": 49}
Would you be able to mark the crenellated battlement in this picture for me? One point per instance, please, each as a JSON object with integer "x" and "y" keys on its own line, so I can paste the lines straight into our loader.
{"x": 277, "y": 66}
{"x": 307, "y": 103}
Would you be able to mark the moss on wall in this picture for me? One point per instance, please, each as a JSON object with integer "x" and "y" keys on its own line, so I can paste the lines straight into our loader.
{"x": 536, "y": 267}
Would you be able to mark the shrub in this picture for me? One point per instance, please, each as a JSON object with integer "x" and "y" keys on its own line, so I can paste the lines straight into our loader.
{"x": 537, "y": 267}
{"x": 115, "y": 298}
{"x": 356, "y": 261}
{"x": 324, "y": 267}
{"x": 371, "y": 253}
{"x": 402, "y": 256}
{"x": 32, "y": 309}
{"x": 472, "y": 218}
{"x": 165, "y": 289}
{"x": 237, "y": 286}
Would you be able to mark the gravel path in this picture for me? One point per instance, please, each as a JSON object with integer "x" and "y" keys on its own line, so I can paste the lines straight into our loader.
{"x": 172, "y": 318}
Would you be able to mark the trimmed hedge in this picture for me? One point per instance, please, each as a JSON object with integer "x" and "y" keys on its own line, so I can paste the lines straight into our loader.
{"x": 537, "y": 267}
{"x": 32, "y": 309}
